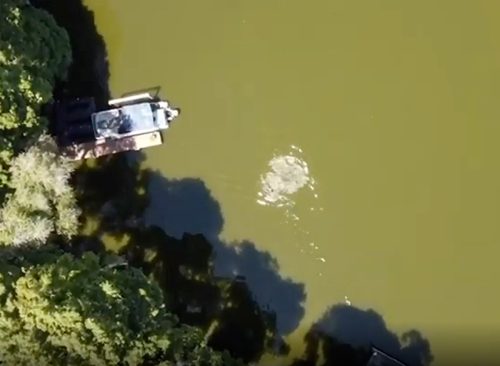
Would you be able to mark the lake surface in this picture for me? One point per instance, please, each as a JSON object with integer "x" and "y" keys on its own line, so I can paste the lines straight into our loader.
{"x": 395, "y": 108}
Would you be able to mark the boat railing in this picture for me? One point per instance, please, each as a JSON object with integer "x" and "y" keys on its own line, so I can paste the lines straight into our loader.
{"x": 132, "y": 98}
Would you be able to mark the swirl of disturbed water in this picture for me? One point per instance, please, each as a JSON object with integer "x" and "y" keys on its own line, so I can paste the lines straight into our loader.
{"x": 287, "y": 174}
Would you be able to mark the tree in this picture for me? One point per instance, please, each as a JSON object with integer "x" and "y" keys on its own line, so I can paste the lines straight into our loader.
{"x": 34, "y": 53}
{"x": 42, "y": 201}
{"x": 59, "y": 309}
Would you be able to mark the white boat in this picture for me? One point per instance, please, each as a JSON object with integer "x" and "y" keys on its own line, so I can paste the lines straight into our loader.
{"x": 133, "y": 115}
{"x": 134, "y": 122}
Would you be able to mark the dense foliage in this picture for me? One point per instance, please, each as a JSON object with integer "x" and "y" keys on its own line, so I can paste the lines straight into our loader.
{"x": 34, "y": 53}
{"x": 42, "y": 201}
{"x": 59, "y": 309}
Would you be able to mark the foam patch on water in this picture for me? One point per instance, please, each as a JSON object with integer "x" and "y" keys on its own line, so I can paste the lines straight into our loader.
{"x": 287, "y": 174}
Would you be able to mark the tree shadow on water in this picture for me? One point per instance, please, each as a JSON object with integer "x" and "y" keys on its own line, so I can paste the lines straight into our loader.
{"x": 261, "y": 271}
{"x": 224, "y": 308}
{"x": 181, "y": 206}
{"x": 239, "y": 305}
{"x": 187, "y": 206}
{"x": 344, "y": 336}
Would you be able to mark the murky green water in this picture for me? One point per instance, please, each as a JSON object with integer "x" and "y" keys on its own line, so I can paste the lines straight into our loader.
{"x": 395, "y": 105}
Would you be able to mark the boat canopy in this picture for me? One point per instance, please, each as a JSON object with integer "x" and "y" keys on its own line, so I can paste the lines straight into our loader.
{"x": 129, "y": 120}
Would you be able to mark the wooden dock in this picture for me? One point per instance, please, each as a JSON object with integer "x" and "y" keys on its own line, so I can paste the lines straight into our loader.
{"x": 95, "y": 149}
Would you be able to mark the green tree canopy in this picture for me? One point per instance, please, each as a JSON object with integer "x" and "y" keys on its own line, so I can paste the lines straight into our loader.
{"x": 34, "y": 53}
{"x": 42, "y": 201}
{"x": 58, "y": 309}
